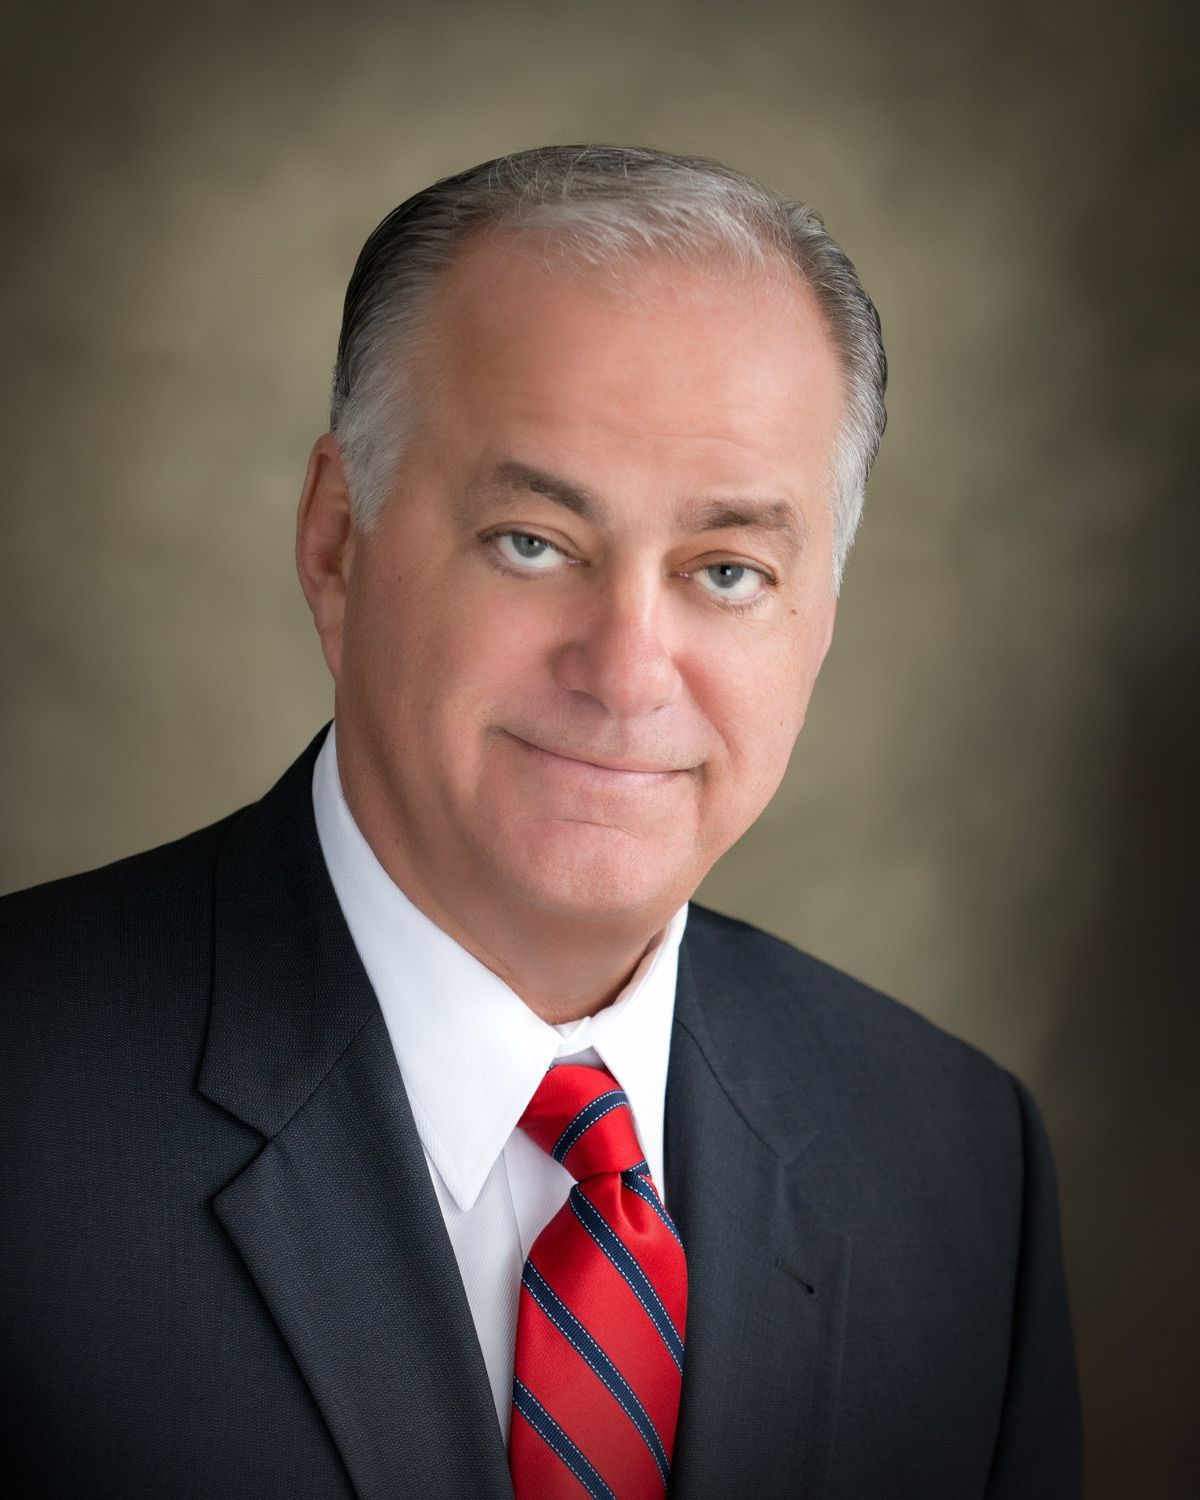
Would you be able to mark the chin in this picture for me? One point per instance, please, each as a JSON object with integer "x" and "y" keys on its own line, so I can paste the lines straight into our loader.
{"x": 584, "y": 870}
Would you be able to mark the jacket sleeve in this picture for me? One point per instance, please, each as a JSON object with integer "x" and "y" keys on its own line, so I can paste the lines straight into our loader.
{"x": 1038, "y": 1446}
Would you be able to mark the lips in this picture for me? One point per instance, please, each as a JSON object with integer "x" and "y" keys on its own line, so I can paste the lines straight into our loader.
{"x": 630, "y": 770}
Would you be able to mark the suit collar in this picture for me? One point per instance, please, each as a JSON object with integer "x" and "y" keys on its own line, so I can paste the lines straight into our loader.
{"x": 336, "y": 1219}
{"x": 278, "y": 937}
{"x": 767, "y": 1269}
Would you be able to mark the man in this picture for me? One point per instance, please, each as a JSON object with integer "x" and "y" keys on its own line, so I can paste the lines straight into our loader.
{"x": 408, "y": 1133}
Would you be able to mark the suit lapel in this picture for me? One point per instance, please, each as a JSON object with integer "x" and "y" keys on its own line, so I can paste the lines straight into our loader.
{"x": 336, "y": 1219}
{"x": 766, "y": 1272}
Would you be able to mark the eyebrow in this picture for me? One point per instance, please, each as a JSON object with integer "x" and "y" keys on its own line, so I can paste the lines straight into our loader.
{"x": 749, "y": 515}
{"x": 584, "y": 503}
{"x": 778, "y": 516}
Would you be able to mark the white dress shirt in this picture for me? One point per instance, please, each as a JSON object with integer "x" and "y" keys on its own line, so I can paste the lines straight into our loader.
{"x": 471, "y": 1054}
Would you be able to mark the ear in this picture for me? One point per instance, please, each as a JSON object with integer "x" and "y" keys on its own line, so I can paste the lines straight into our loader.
{"x": 325, "y": 538}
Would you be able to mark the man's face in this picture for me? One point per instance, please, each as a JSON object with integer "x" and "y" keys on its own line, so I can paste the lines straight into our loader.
{"x": 579, "y": 644}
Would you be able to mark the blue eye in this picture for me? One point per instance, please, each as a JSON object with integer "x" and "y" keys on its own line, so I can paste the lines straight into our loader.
{"x": 529, "y": 553}
{"x": 734, "y": 581}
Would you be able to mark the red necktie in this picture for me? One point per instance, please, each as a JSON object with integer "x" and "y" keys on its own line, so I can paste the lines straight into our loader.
{"x": 603, "y": 1303}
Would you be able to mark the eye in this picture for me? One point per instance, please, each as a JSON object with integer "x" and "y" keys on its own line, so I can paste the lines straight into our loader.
{"x": 736, "y": 582}
{"x": 527, "y": 552}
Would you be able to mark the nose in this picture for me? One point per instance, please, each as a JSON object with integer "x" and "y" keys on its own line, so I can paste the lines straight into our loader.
{"x": 617, "y": 649}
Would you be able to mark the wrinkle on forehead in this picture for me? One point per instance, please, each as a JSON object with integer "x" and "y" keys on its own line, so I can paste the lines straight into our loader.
{"x": 724, "y": 386}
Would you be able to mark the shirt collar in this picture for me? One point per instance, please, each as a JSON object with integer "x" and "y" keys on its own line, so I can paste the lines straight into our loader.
{"x": 470, "y": 1051}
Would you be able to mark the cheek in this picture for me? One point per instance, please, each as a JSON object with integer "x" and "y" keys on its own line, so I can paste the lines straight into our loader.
{"x": 757, "y": 699}
{"x": 771, "y": 685}
{"x": 491, "y": 644}
{"x": 481, "y": 663}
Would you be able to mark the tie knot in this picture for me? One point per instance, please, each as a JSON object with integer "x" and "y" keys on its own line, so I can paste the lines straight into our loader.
{"x": 582, "y": 1119}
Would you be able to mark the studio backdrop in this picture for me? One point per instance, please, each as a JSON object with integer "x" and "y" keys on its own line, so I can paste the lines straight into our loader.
{"x": 990, "y": 813}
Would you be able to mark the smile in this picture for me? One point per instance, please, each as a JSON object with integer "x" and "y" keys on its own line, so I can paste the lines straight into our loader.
{"x": 599, "y": 773}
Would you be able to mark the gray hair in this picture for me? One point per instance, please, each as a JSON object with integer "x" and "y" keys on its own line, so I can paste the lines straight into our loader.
{"x": 598, "y": 206}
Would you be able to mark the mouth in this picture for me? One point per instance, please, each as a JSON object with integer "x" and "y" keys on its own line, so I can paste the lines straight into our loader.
{"x": 598, "y": 770}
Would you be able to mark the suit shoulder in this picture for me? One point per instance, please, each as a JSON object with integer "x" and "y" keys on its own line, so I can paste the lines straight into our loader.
{"x": 805, "y": 1002}
{"x": 114, "y": 907}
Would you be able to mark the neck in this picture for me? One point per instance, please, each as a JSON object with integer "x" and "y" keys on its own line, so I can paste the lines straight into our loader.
{"x": 560, "y": 975}
{"x": 562, "y": 970}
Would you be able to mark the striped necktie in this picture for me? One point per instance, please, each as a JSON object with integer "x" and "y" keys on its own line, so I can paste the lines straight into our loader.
{"x": 603, "y": 1301}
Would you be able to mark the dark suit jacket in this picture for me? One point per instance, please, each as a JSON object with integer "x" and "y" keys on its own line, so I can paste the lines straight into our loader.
{"x": 225, "y": 1273}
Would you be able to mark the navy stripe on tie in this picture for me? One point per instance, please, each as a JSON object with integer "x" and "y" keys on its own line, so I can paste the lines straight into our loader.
{"x": 597, "y": 1361}
{"x": 638, "y": 1282}
{"x": 602, "y": 1105}
{"x": 645, "y": 1190}
{"x": 557, "y": 1441}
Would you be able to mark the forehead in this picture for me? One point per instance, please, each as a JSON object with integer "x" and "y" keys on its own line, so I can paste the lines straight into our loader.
{"x": 693, "y": 367}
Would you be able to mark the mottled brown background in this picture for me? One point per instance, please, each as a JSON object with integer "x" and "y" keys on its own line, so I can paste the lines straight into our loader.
{"x": 991, "y": 812}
